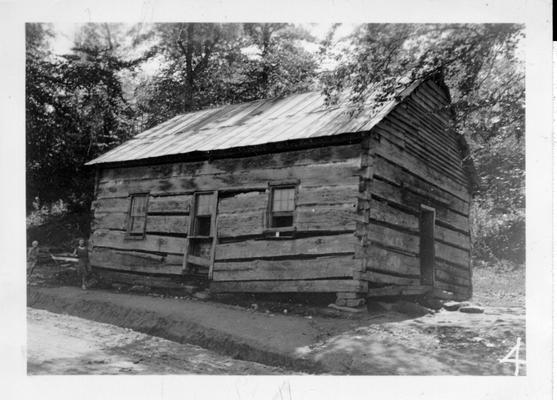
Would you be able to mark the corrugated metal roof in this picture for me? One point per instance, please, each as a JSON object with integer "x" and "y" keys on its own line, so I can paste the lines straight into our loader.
{"x": 299, "y": 116}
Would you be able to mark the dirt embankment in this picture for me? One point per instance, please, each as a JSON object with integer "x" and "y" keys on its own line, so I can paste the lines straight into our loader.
{"x": 226, "y": 329}
{"x": 63, "y": 344}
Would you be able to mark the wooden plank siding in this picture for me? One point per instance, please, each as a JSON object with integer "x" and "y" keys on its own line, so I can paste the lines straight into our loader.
{"x": 136, "y": 261}
{"x": 318, "y": 155}
{"x": 325, "y": 219}
{"x": 291, "y": 286}
{"x": 316, "y": 167}
{"x": 290, "y": 269}
{"x": 311, "y": 175}
{"x": 156, "y": 281}
{"x": 413, "y": 159}
{"x": 160, "y": 252}
{"x": 153, "y": 243}
{"x": 307, "y": 246}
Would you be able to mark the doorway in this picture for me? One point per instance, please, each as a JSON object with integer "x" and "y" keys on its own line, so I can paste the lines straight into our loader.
{"x": 427, "y": 245}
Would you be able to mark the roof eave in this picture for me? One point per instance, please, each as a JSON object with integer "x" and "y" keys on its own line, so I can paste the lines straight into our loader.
{"x": 241, "y": 151}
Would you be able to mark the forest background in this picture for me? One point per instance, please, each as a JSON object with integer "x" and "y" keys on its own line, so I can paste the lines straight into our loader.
{"x": 113, "y": 81}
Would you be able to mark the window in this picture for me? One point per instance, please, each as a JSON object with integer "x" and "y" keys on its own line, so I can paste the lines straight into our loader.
{"x": 137, "y": 215}
{"x": 203, "y": 214}
{"x": 201, "y": 240}
{"x": 282, "y": 205}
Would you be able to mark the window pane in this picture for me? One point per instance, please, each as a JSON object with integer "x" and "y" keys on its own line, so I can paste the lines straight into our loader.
{"x": 137, "y": 225}
{"x": 138, "y": 205}
{"x": 201, "y": 248}
{"x": 282, "y": 221}
{"x": 203, "y": 226}
{"x": 204, "y": 203}
{"x": 283, "y": 199}
{"x": 138, "y": 211}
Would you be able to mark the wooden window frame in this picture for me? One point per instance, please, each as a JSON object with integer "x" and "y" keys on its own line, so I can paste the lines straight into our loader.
{"x": 137, "y": 236}
{"x": 194, "y": 215}
{"x": 192, "y": 227}
{"x": 286, "y": 231}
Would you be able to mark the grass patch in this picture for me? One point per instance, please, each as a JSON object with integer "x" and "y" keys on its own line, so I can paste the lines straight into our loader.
{"x": 499, "y": 287}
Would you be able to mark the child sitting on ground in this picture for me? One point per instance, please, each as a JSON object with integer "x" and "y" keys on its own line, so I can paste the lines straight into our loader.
{"x": 32, "y": 257}
{"x": 82, "y": 254}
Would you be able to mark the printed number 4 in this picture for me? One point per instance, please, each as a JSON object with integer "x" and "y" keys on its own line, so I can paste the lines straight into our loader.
{"x": 514, "y": 360}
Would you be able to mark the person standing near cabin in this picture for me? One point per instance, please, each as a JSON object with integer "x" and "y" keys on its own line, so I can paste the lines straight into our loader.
{"x": 82, "y": 254}
{"x": 32, "y": 257}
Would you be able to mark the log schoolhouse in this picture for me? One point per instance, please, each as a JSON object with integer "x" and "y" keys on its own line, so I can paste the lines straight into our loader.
{"x": 292, "y": 195}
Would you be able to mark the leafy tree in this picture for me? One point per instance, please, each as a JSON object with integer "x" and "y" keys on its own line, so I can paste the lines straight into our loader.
{"x": 93, "y": 76}
{"x": 498, "y": 211}
{"x": 475, "y": 59}
{"x": 75, "y": 111}
{"x": 41, "y": 120}
{"x": 191, "y": 52}
{"x": 282, "y": 65}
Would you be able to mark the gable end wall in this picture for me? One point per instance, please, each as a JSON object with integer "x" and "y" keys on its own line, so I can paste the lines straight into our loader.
{"x": 414, "y": 159}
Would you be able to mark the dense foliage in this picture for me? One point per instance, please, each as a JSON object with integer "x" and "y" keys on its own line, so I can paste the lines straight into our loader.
{"x": 83, "y": 103}
{"x": 75, "y": 111}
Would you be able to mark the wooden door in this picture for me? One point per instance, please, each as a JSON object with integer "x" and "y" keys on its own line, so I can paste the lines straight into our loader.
{"x": 202, "y": 235}
{"x": 427, "y": 245}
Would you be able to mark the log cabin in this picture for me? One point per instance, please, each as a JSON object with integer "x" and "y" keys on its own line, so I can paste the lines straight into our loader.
{"x": 292, "y": 195}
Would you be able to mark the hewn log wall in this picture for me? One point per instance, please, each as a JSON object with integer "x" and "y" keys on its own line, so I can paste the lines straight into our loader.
{"x": 414, "y": 159}
{"x": 319, "y": 258}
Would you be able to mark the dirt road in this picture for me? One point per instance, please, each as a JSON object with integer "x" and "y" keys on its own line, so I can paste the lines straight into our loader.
{"x": 443, "y": 343}
{"x": 63, "y": 344}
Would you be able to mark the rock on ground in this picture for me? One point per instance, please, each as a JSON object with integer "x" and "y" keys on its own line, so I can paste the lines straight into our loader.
{"x": 471, "y": 309}
{"x": 452, "y": 305}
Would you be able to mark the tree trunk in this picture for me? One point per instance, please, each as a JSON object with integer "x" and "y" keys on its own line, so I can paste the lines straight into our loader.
{"x": 188, "y": 95}
{"x": 266, "y": 43}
